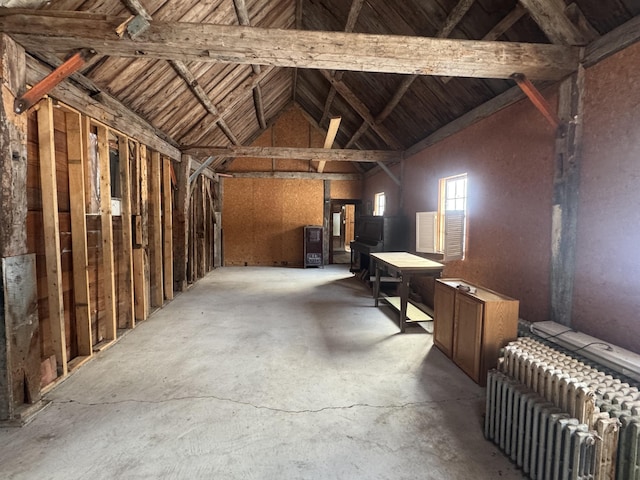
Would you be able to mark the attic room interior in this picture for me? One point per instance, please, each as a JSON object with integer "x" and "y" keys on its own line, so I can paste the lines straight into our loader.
{"x": 320, "y": 239}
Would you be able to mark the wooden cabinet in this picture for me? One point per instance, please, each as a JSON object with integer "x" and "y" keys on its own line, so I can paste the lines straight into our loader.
{"x": 472, "y": 326}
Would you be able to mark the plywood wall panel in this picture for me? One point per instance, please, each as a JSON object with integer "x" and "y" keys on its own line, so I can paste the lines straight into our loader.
{"x": 346, "y": 189}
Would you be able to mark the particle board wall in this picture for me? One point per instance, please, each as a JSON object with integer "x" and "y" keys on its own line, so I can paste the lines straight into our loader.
{"x": 263, "y": 219}
{"x": 607, "y": 278}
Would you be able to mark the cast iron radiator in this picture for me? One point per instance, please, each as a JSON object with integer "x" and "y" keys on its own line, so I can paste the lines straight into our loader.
{"x": 559, "y": 418}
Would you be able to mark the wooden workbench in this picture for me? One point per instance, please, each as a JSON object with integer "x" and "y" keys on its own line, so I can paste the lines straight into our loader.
{"x": 404, "y": 265}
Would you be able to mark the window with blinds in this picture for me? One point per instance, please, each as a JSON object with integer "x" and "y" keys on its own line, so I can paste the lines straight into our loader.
{"x": 444, "y": 231}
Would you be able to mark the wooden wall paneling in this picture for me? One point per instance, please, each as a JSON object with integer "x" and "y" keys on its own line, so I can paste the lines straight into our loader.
{"x": 167, "y": 225}
{"x": 155, "y": 230}
{"x": 76, "y": 139}
{"x": 127, "y": 233}
{"x": 140, "y": 259}
{"x": 191, "y": 264}
{"x": 19, "y": 323}
{"x": 181, "y": 225}
{"x": 106, "y": 225}
{"x": 51, "y": 233}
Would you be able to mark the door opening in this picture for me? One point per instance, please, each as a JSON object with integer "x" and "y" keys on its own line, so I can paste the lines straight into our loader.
{"x": 342, "y": 230}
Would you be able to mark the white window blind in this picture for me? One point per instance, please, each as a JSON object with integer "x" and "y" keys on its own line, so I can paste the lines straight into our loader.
{"x": 426, "y": 232}
{"x": 454, "y": 235}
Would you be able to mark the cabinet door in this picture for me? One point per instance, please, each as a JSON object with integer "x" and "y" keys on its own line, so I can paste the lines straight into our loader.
{"x": 467, "y": 342}
{"x": 443, "y": 310}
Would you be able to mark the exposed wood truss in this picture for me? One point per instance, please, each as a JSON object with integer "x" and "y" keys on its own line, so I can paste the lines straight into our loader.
{"x": 287, "y": 48}
{"x": 243, "y": 19}
{"x": 551, "y": 18}
{"x": 450, "y": 23}
{"x": 332, "y": 155}
{"x": 354, "y": 11}
{"x": 334, "y": 124}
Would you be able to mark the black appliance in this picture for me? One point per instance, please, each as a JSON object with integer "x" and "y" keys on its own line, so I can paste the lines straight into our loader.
{"x": 377, "y": 234}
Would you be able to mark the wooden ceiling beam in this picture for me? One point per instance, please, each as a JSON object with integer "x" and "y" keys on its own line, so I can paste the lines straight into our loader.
{"x": 618, "y": 39}
{"x": 551, "y": 18}
{"x": 452, "y": 20}
{"x": 362, "y": 110}
{"x": 332, "y": 131}
{"x": 243, "y": 19}
{"x": 201, "y": 42}
{"x": 354, "y": 13}
{"x": 298, "y": 175}
{"x": 317, "y": 154}
{"x": 191, "y": 81}
{"x": 229, "y": 103}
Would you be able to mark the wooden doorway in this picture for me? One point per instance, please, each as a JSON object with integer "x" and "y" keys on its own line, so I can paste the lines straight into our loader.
{"x": 342, "y": 230}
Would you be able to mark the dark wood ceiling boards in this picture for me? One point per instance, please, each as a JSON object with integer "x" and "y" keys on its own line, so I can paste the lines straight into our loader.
{"x": 379, "y": 111}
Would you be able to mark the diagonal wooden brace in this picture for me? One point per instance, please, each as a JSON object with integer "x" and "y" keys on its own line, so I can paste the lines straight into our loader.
{"x": 74, "y": 63}
{"x": 537, "y": 99}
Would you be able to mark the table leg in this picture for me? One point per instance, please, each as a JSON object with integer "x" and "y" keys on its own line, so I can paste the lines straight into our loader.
{"x": 404, "y": 298}
{"x": 376, "y": 285}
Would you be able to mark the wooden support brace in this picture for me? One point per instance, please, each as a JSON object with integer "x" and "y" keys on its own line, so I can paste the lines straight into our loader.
{"x": 537, "y": 99}
{"x": 44, "y": 86}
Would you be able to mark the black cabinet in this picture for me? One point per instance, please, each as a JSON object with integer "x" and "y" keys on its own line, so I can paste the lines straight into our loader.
{"x": 313, "y": 236}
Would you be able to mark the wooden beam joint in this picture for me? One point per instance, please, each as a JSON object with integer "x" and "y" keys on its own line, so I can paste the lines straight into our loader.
{"x": 537, "y": 99}
{"x": 74, "y": 63}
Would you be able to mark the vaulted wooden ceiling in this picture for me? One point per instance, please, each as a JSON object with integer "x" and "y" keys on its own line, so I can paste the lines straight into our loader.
{"x": 217, "y": 73}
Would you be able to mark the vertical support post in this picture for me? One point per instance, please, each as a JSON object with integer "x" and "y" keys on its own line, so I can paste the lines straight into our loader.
{"x": 565, "y": 196}
{"x": 168, "y": 228}
{"x": 106, "y": 224}
{"x": 202, "y": 231}
{"x": 181, "y": 225}
{"x": 140, "y": 260}
{"x": 82, "y": 302}
{"x": 217, "y": 201}
{"x": 326, "y": 218}
{"x": 52, "y": 232}
{"x": 127, "y": 234}
{"x": 155, "y": 240}
{"x": 19, "y": 325}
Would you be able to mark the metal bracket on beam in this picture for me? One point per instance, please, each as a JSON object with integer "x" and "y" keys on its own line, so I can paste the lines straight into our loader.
{"x": 74, "y": 63}
{"x": 537, "y": 99}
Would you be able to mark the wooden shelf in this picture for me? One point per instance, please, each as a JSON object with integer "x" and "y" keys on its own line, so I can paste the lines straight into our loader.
{"x": 414, "y": 314}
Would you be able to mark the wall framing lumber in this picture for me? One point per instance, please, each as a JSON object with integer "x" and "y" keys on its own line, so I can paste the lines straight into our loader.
{"x": 155, "y": 234}
{"x": 167, "y": 224}
{"x": 42, "y": 31}
{"x": 326, "y": 218}
{"x": 82, "y": 299}
{"x": 565, "y": 196}
{"x": 51, "y": 232}
{"x": 181, "y": 225}
{"x": 106, "y": 225}
{"x": 140, "y": 258}
{"x": 127, "y": 233}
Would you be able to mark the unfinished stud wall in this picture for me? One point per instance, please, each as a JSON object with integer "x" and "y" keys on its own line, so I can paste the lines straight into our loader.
{"x": 264, "y": 217}
{"x": 113, "y": 282}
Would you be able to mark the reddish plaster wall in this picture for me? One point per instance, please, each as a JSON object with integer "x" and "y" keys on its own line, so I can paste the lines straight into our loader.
{"x": 509, "y": 160}
{"x": 607, "y": 281}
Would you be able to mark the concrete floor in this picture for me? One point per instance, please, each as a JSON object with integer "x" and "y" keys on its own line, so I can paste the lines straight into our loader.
{"x": 262, "y": 373}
